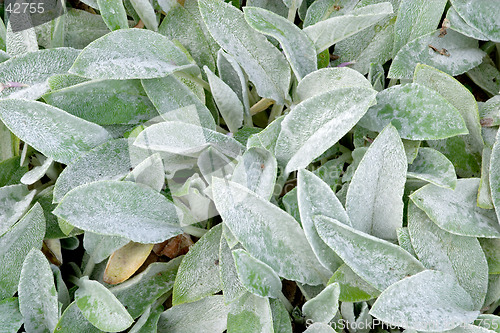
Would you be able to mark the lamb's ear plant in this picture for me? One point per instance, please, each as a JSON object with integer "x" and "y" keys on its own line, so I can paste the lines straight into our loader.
{"x": 251, "y": 166}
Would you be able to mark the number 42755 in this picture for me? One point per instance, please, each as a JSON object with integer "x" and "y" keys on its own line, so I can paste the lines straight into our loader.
{"x": 24, "y": 7}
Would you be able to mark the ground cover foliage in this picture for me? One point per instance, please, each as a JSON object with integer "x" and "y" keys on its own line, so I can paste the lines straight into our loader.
{"x": 251, "y": 166}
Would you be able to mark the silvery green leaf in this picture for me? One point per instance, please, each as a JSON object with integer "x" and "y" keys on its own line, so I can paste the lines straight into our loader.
{"x": 318, "y": 123}
{"x": 123, "y": 54}
{"x": 101, "y": 307}
{"x": 15, "y": 201}
{"x": 267, "y": 137}
{"x": 404, "y": 241}
{"x": 456, "y": 210}
{"x": 139, "y": 292}
{"x": 170, "y": 93}
{"x": 298, "y": 48}
{"x": 148, "y": 322}
{"x": 33, "y": 69}
{"x": 11, "y": 319}
{"x": 319, "y": 328}
{"x": 23, "y": 41}
{"x": 227, "y": 101}
{"x": 484, "y": 17}
{"x": 35, "y": 174}
{"x": 208, "y": 314}
{"x": 374, "y": 200}
{"x": 198, "y": 274}
{"x": 490, "y": 111}
{"x": 113, "y": 13}
{"x": 109, "y": 161}
{"x": 149, "y": 172}
{"x": 352, "y": 287}
{"x": 170, "y": 137}
{"x": 455, "y": 54}
{"x": 316, "y": 198}
{"x": 61, "y": 81}
{"x": 332, "y": 30}
{"x": 414, "y": 19}
{"x": 37, "y": 294}
{"x": 486, "y": 76}
{"x": 257, "y": 277}
{"x": 327, "y": 79}
{"x": 192, "y": 6}
{"x": 3, "y": 33}
{"x": 52, "y": 131}
{"x": 231, "y": 73}
{"x": 432, "y": 166}
{"x": 277, "y": 7}
{"x": 458, "y": 24}
{"x": 417, "y": 112}
{"x": 324, "y": 9}
{"x": 281, "y": 317}
{"x": 72, "y": 321}
{"x": 11, "y": 170}
{"x": 15, "y": 244}
{"x": 324, "y": 306}
{"x": 355, "y": 316}
{"x": 180, "y": 25}
{"x": 232, "y": 289}
{"x": 458, "y": 96}
{"x": 257, "y": 170}
{"x": 286, "y": 249}
{"x": 491, "y": 249}
{"x": 493, "y": 293}
{"x": 120, "y": 209}
{"x": 100, "y": 247}
{"x": 458, "y": 256}
{"x": 376, "y": 261}
{"x": 146, "y": 12}
{"x": 265, "y": 66}
{"x": 495, "y": 174}
{"x": 250, "y": 313}
{"x": 428, "y": 301}
{"x": 105, "y": 102}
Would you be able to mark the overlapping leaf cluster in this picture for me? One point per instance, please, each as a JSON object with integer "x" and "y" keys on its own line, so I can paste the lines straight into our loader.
{"x": 336, "y": 163}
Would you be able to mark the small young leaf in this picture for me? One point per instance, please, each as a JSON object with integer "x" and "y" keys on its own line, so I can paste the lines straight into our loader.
{"x": 376, "y": 261}
{"x": 256, "y": 276}
{"x": 324, "y": 306}
{"x": 374, "y": 200}
{"x": 458, "y": 256}
{"x": 113, "y": 13}
{"x": 250, "y": 313}
{"x": 15, "y": 244}
{"x": 37, "y": 294}
{"x": 453, "y": 54}
{"x": 101, "y": 307}
{"x": 50, "y": 130}
{"x": 432, "y": 166}
{"x": 428, "y": 301}
{"x": 418, "y": 113}
{"x": 298, "y": 48}
{"x": 265, "y": 66}
{"x": 456, "y": 210}
{"x": 120, "y": 209}
{"x": 330, "y": 31}
{"x": 124, "y": 54}
{"x": 208, "y": 314}
{"x": 281, "y": 317}
{"x": 319, "y": 122}
{"x": 198, "y": 274}
{"x": 250, "y": 218}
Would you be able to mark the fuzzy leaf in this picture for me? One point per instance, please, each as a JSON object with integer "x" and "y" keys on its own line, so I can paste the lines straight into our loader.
{"x": 126, "y": 261}
{"x": 72, "y": 320}
{"x": 484, "y": 17}
{"x": 374, "y": 200}
{"x": 100, "y": 247}
{"x": 417, "y": 112}
{"x": 120, "y": 209}
{"x": 50, "y": 130}
{"x": 376, "y": 261}
{"x": 495, "y": 175}
{"x": 265, "y": 66}
{"x": 428, "y": 301}
{"x": 113, "y": 13}
{"x": 11, "y": 319}
{"x": 324, "y": 306}
{"x": 352, "y": 287}
{"x": 125, "y": 54}
{"x": 456, "y": 210}
{"x": 146, "y": 12}
{"x": 15, "y": 200}
{"x": 432, "y": 166}
{"x": 249, "y": 314}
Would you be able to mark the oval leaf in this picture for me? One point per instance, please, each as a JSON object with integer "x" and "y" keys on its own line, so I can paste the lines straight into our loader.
{"x": 120, "y": 209}
{"x": 113, "y": 13}
{"x": 432, "y": 166}
{"x": 126, "y": 261}
{"x": 324, "y": 306}
{"x": 484, "y": 17}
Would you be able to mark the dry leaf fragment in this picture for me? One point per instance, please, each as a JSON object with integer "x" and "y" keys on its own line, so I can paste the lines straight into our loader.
{"x": 174, "y": 246}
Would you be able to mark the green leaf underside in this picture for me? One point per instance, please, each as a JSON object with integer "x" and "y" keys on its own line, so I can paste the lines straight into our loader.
{"x": 120, "y": 209}
{"x": 52, "y": 131}
{"x": 286, "y": 248}
{"x": 428, "y": 301}
{"x": 376, "y": 261}
{"x": 416, "y": 111}
{"x": 124, "y": 54}
{"x": 456, "y": 210}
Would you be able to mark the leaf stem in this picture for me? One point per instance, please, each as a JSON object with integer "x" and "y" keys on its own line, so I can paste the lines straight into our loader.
{"x": 292, "y": 11}
{"x": 275, "y": 112}
{"x": 89, "y": 267}
{"x": 261, "y": 105}
{"x": 73, "y": 279}
{"x": 194, "y": 231}
{"x": 286, "y": 302}
{"x": 196, "y": 79}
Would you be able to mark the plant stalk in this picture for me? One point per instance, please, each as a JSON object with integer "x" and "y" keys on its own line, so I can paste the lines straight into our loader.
{"x": 261, "y": 105}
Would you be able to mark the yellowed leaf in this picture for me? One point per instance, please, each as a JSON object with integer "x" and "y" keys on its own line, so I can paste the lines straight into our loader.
{"x": 126, "y": 261}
